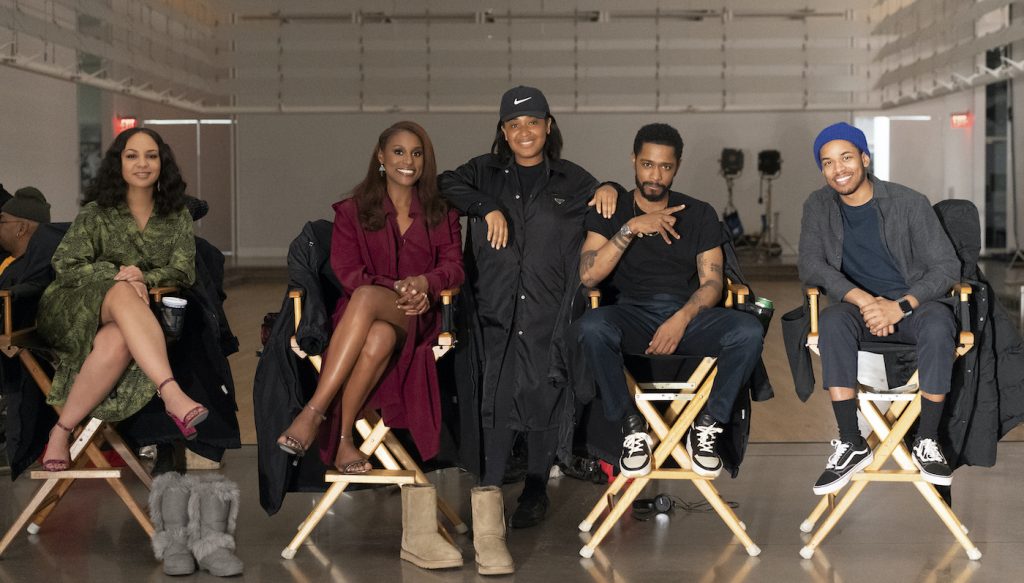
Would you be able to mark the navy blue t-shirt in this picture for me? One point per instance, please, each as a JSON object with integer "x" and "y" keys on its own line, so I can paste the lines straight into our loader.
{"x": 649, "y": 266}
{"x": 866, "y": 260}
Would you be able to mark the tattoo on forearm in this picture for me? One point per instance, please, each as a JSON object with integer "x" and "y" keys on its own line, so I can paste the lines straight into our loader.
{"x": 620, "y": 241}
{"x": 587, "y": 260}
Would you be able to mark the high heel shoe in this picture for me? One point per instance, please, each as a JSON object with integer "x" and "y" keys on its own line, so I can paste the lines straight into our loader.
{"x": 187, "y": 424}
{"x": 294, "y": 446}
{"x": 57, "y": 465}
{"x": 354, "y": 467}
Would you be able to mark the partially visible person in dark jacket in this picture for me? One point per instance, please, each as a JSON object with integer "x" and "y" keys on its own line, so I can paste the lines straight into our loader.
{"x": 29, "y": 240}
{"x": 879, "y": 252}
{"x": 395, "y": 247}
{"x": 525, "y": 206}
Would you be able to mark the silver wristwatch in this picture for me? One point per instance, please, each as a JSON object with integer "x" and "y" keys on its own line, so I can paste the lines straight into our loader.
{"x": 625, "y": 231}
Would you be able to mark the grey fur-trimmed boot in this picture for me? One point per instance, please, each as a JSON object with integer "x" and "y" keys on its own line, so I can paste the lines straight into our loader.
{"x": 168, "y": 509}
{"x": 212, "y": 513}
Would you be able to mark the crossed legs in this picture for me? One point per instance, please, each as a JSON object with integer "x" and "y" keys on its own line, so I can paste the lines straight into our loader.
{"x": 128, "y": 331}
{"x": 369, "y": 332}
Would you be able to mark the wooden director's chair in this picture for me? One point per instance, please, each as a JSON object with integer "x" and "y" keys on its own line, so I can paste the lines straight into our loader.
{"x": 886, "y": 438}
{"x": 686, "y": 401}
{"x": 400, "y": 468}
{"x": 85, "y": 449}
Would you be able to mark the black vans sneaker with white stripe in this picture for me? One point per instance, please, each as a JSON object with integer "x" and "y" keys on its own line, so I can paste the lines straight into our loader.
{"x": 928, "y": 458}
{"x": 848, "y": 459}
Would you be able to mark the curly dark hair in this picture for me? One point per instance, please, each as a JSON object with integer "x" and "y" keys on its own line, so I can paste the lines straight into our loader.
{"x": 369, "y": 194}
{"x": 661, "y": 134}
{"x": 109, "y": 189}
{"x": 552, "y": 144}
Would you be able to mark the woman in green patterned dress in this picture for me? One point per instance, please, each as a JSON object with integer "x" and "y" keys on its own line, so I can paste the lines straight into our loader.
{"x": 133, "y": 233}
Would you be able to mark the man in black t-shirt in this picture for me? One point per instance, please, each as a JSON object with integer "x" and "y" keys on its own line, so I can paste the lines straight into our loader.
{"x": 658, "y": 262}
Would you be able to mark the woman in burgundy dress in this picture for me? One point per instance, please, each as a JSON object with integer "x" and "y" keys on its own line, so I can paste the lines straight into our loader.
{"x": 395, "y": 247}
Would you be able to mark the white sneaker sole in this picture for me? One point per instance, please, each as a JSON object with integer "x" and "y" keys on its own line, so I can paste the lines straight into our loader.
{"x": 639, "y": 473}
{"x": 697, "y": 469}
{"x": 932, "y": 478}
{"x": 838, "y": 484}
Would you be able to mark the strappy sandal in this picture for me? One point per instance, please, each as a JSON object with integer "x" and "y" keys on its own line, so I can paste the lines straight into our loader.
{"x": 57, "y": 464}
{"x": 187, "y": 424}
{"x": 293, "y": 446}
{"x": 350, "y": 466}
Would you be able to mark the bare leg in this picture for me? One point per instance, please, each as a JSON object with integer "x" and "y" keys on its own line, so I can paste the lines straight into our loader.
{"x": 104, "y": 365}
{"x": 145, "y": 341}
{"x": 369, "y": 304}
{"x": 373, "y": 360}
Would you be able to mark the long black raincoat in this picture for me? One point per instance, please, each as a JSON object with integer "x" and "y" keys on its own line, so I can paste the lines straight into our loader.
{"x": 516, "y": 292}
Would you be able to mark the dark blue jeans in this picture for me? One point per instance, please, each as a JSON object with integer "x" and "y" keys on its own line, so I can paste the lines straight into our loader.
{"x": 931, "y": 327}
{"x": 605, "y": 333}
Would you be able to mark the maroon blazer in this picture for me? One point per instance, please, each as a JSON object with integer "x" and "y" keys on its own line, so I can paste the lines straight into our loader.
{"x": 407, "y": 395}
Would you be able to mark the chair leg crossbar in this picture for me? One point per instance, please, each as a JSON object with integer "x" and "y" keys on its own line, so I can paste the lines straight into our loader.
{"x": 888, "y": 431}
{"x": 400, "y": 468}
{"x": 668, "y": 433}
{"x": 84, "y": 450}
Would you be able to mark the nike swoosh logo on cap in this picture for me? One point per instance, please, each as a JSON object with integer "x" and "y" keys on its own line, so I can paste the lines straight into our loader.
{"x": 518, "y": 101}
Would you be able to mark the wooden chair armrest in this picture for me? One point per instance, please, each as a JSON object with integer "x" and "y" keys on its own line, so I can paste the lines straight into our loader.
{"x": 8, "y": 311}
{"x": 736, "y": 293}
{"x": 963, "y": 290}
{"x": 447, "y": 295}
{"x": 812, "y": 300}
{"x": 157, "y": 293}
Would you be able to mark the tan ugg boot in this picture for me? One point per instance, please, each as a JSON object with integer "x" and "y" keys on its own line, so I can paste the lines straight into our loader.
{"x": 492, "y": 556}
{"x": 422, "y": 545}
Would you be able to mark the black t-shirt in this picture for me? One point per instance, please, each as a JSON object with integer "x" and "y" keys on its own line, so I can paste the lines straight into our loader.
{"x": 866, "y": 261}
{"x": 649, "y": 266}
{"x": 529, "y": 176}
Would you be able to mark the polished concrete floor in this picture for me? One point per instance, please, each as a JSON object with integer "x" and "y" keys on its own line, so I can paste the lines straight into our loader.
{"x": 890, "y": 535}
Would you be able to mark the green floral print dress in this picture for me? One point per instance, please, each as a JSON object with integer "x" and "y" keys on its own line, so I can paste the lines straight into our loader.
{"x": 98, "y": 243}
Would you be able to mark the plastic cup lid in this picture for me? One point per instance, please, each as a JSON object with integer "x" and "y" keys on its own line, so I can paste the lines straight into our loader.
{"x": 175, "y": 302}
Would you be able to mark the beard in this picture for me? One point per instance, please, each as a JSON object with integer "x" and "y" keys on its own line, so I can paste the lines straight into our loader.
{"x": 659, "y": 196}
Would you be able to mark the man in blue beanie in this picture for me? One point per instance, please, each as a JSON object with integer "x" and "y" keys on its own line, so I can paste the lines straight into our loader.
{"x": 877, "y": 249}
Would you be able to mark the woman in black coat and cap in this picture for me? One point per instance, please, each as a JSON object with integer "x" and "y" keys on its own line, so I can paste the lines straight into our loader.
{"x": 525, "y": 206}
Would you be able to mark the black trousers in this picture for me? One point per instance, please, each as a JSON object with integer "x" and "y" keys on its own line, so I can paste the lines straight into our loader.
{"x": 498, "y": 440}
{"x": 607, "y": 332}
{"x": 932, "y": 327}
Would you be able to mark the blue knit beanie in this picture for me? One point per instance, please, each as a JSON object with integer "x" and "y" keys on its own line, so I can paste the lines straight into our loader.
{"x": 840, "y": 131}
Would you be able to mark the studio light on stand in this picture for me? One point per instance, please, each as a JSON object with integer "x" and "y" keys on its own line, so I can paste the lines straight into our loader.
{"x": 731, "y": 164}
{"x": 769, "y": 164}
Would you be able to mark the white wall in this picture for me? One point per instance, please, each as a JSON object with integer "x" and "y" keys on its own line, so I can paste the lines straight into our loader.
{"x": 39, "y": 138}
{"x": 292, "y": 167}
{"x": 931, "y": 156}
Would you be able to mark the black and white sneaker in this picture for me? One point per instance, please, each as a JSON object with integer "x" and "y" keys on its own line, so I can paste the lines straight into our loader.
{"x": 848, "y": 459}
{"x": 635, "y": 461}
{"x": 928, "y": 458}
{"x": 700, "y": 444}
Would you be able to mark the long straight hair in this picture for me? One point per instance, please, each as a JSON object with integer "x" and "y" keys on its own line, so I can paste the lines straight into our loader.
{"x": 369, "y": 194}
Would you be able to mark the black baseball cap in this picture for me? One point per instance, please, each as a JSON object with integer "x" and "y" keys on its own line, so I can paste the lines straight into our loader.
{"x": 524, "y": 100}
